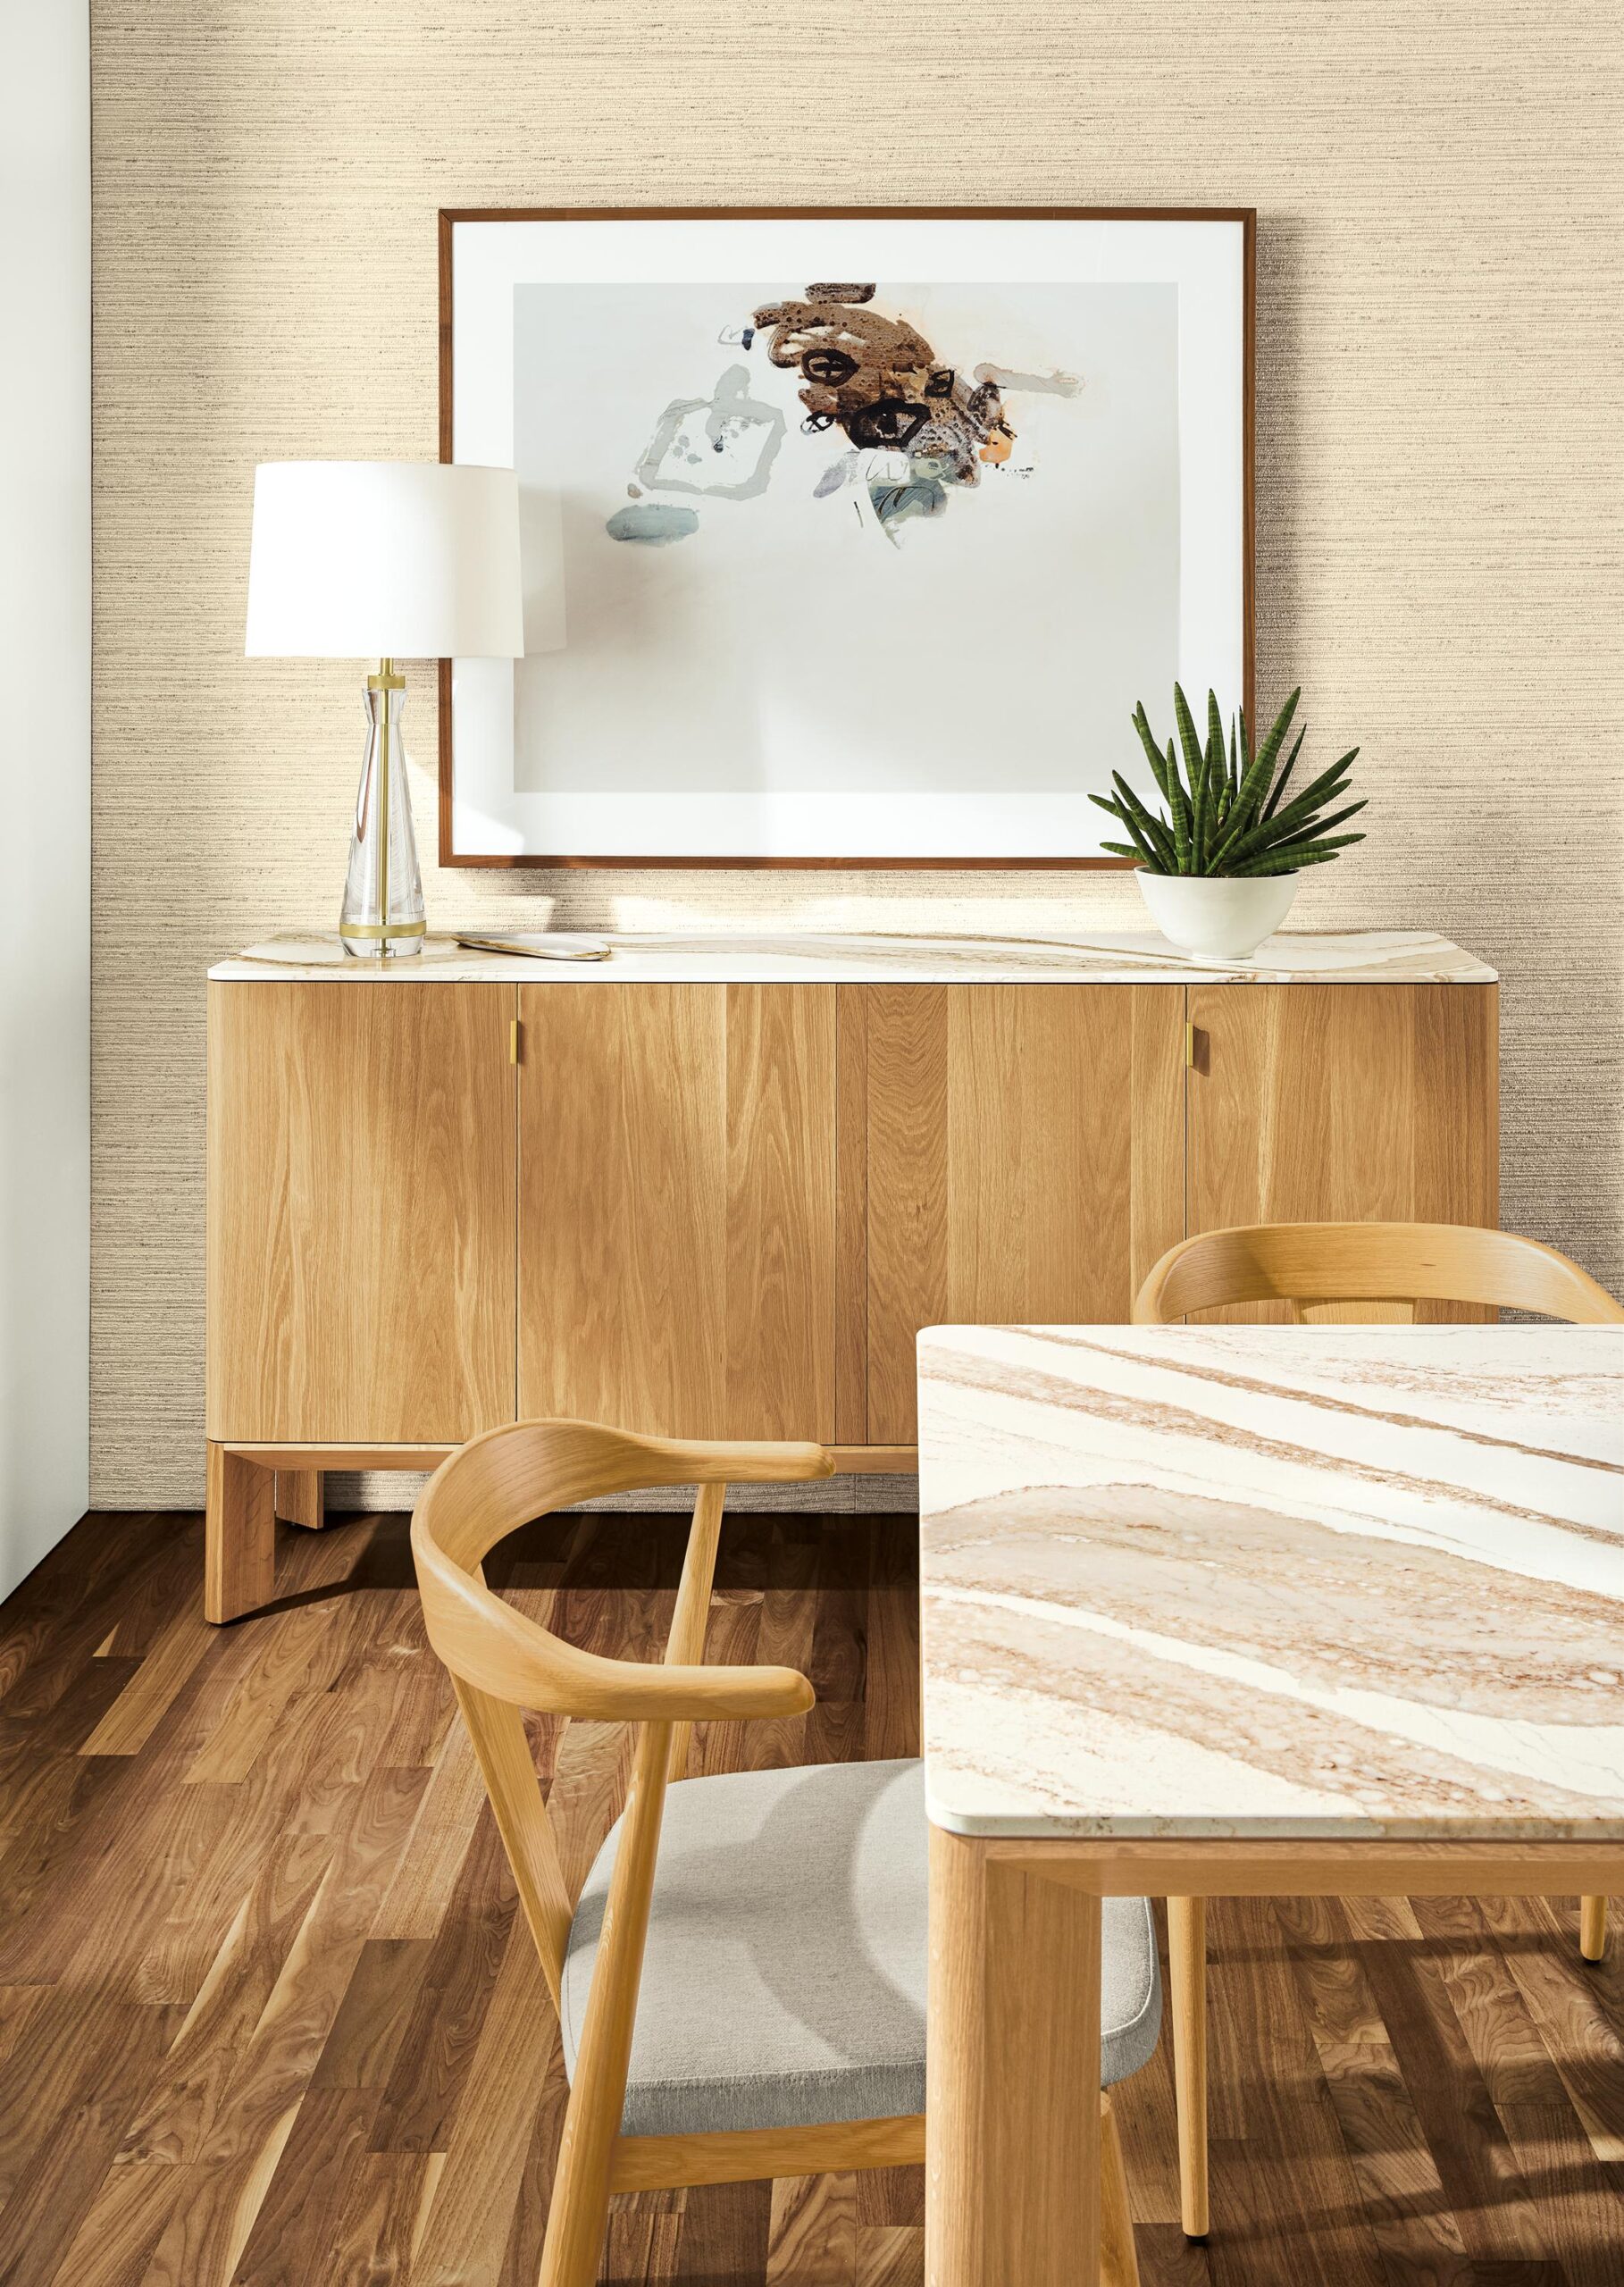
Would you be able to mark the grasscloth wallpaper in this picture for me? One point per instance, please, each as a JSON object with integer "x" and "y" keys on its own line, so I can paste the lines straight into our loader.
{"x": 1438, "y": 466}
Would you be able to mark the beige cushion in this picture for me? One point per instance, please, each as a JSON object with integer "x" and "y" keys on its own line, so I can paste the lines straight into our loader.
{"x": 784, "y": 1981}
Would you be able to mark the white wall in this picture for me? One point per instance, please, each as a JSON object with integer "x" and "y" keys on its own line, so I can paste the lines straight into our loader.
{"x": 44, "y": 777}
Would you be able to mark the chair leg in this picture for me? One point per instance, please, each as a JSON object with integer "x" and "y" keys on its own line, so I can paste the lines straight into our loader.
{"x": 1593, "y": 1927}
{"x": 1118, "y": 2263}
{"x": 1187, "y": 1970}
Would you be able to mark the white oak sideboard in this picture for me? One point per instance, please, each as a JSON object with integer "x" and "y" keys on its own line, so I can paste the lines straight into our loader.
{"x": 713, "y": 1187}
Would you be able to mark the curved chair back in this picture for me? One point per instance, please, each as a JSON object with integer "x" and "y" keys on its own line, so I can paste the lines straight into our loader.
{"x": 501, "y": 1661}
{"x": 1302, "y": 1264}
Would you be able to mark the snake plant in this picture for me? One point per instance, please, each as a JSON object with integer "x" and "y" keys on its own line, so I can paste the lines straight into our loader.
{"x": 1227, "y": 810}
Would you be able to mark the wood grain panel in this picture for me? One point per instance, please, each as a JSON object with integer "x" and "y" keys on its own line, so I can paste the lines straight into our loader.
{"x": 851, "y": 1215}
{"x": 781, "y": 1210}
{"x": 361, "y": 1204}
{"x": 907, "y": 1191}
{"x": 1025, "y": 1161}
{"x": 623, "y": 1203}
{"x": 1330, "y": 1104}
{"x": 676, "y": 1224}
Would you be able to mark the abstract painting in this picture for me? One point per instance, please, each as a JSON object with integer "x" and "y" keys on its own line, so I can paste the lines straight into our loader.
{"x": 841, "y": 562}
{"x": 909, "y": 426}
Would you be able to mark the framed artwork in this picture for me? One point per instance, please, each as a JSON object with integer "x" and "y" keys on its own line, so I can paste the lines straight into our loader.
{"x": 849, "y": 537}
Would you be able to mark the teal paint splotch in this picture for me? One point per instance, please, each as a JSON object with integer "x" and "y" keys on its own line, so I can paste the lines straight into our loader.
{"x": 655, "y": 523}
{"x": 921, "y": 496}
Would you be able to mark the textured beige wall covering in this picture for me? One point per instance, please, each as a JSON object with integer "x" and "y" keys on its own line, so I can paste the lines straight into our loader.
{"x": 1438, "y": 504}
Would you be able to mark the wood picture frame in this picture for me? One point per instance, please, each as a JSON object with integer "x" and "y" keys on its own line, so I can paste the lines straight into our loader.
{"x": 454, "y": 850}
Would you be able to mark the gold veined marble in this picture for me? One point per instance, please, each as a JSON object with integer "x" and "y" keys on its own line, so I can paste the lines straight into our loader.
{"x": 1097, "y": 956}
{"x": 1274, "y": 1580}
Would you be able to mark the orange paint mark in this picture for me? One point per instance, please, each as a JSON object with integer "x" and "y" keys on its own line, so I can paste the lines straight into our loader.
{"x": 999, "y": 445}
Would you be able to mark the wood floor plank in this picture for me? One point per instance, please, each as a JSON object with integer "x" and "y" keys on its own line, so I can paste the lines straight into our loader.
{"x": 184, "y": 2099}
{"x": 117, "y": 1566}
{"x": 214, "y": 2211}
{"x": 465, "y": 2238}
{"x": 310, "y": 2190}
{"x": 641, "y": 2243}
{"x": 375, "y": 2015}
{"x": 420, "y": 2100}
{"x": 419, "y": 1891}
{"x": 1398, "y": 2179}
{"x": 293, "y": 1661}
{"x": 375, "y": 2220}
{"x": 157, "y": 1682}
{"x": 1477, "y": 2166}
{"x": 261, "y": 1936}
{"x": 121, "y": 2227}
{"x": 55, "y": 2176}
{"x": 812, "y": 2232}
{"x": 285, "y": 2047}
{"x": 725, "y": 2232}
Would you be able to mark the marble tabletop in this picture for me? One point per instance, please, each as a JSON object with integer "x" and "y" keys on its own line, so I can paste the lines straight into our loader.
{"x": 1289, "y": 1581}
{"x": 1102, "y": 957}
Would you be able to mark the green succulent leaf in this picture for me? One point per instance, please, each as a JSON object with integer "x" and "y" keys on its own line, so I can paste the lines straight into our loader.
{"x": 1227, "y": 809}
{"x": 1292, "y": 862}
{"x": 1159, "y": 769}
{"x": 1273, "y": 803}
{"x": 1280, "y": 725}
{"x": 1140, "y": 823}
{"x": 1195, "y": 762}
{"x": 1318, "y": 828}
{"x": 1178, "y": 802}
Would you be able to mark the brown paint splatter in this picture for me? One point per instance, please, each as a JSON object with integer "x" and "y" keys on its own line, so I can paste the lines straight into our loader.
{"x": 880, "y": 380}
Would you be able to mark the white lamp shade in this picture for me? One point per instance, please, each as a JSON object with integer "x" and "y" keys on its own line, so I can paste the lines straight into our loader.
{"x": 384, "y": 559}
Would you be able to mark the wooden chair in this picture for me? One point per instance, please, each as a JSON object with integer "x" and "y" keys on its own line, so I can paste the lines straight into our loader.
{"x": 1302, "y": 1265}
{"x": 746, "y": 1997}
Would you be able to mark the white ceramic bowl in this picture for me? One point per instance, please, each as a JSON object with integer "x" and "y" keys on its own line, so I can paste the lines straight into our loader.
{"x": 1221, "y": 919}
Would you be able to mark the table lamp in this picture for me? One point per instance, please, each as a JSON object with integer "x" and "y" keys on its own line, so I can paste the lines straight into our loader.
{"x": 384, "y": 560}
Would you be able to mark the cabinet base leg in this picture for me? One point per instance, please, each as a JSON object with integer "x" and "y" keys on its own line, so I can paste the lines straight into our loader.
{"x": 240, "y": 1542}
{"x": 299, "y": 1498}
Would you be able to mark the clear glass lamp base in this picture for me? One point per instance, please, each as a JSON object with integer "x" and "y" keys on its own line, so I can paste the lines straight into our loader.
{"x": 382, "y": 915}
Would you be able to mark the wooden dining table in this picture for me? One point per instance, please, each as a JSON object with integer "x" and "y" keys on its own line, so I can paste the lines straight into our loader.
{"x": 1235, "y": 1611}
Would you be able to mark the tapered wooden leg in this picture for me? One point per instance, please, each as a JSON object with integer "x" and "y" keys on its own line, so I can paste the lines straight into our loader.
{"x": 1012, "y": 2076}
{"x": 580, "y": 2206}
{"x": 240, "y": 1536}
{"x": 299, "y": 1498}
{"x": 1593, "y": 1927}
{"x": 1187, "y": 1975}
{"x": 1119, "y": 2260}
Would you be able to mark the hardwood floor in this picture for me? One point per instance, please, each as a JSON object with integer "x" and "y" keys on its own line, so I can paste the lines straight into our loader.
{"x": 266, "y": 2014}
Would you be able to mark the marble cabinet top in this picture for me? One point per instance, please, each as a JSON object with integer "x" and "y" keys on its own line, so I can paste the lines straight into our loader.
{"x": 1290, "y": 1581}
{"x": 1106, "y": 957}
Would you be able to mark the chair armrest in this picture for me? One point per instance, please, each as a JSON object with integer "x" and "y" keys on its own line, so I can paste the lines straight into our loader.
{"x": 497, "y": 1649}
{"x": 741, "y": 1461}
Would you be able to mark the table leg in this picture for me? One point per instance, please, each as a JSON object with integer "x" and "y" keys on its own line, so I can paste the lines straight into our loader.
{"x": 299, "y": 1498}
{"x": 1012, "y": 2098}
{"x": 1187, "y": 1977}
{"x": 240, "y": 1536}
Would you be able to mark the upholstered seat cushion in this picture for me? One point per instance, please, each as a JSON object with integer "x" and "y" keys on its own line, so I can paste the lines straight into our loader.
{"x": 783, "y": 1980}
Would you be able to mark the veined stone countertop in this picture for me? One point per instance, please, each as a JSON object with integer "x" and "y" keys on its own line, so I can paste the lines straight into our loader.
{"x": 1102, "y": 957}
{"x": 1290, "y": 1581}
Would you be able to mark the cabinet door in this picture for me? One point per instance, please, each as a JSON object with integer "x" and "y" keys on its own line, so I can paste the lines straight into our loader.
{"x": 676, "y": 1218}
{"x": 1344, "y": 1104}
{"x": 1025, "y": 1161}
{"x": 361, "y": 1202}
